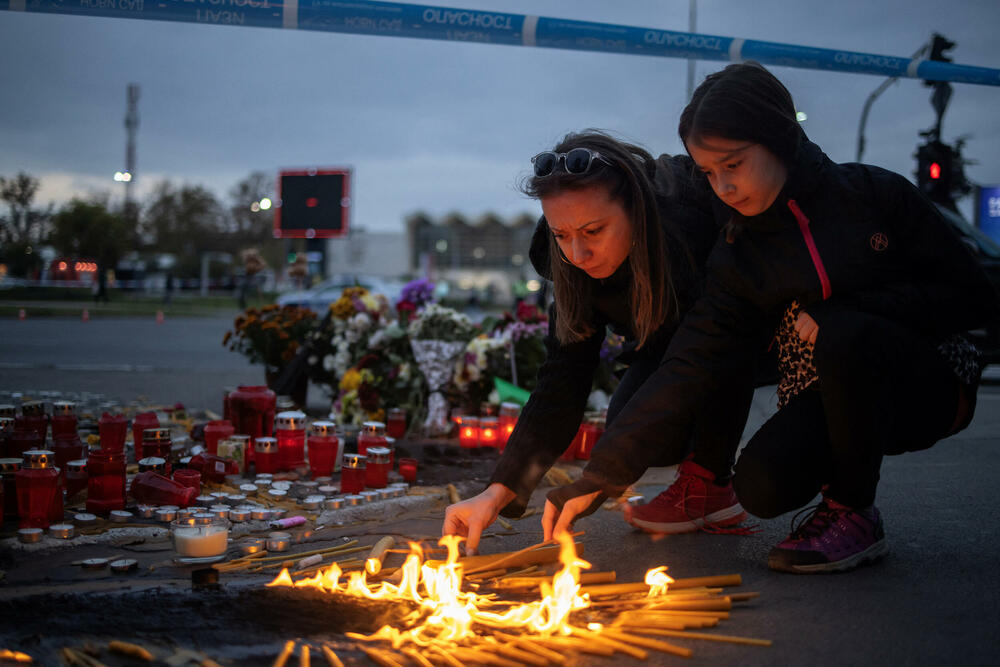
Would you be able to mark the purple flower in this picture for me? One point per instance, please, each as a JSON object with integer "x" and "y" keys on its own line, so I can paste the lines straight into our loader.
{"x": 418, "y": 292}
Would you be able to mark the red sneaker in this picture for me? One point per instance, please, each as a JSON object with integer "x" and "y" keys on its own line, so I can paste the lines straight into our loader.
{"x": 693, "y": 502}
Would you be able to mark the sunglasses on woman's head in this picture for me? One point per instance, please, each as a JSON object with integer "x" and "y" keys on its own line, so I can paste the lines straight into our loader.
{"x": 577, "y": 161}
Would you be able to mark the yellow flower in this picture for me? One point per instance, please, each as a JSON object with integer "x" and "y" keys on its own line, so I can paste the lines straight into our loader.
{"x": 351, "y": 380}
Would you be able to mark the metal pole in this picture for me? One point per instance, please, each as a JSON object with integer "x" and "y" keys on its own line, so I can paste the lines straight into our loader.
{"x": 692, "y": 26}
{"x": 871, "y": 100}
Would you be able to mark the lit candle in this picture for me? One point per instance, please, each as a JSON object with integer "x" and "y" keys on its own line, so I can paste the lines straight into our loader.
{"x": 468, "y": 432}
{"x": 508, "y": 419}
{"x": 489, "y": 432}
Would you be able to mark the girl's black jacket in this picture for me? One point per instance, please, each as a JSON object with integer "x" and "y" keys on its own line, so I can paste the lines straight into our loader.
{"x": 840, "y": 238}
{"x": 549, "y": 420}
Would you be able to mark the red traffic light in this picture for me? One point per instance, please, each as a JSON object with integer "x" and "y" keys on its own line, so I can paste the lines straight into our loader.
{"x": 935, "y": 170}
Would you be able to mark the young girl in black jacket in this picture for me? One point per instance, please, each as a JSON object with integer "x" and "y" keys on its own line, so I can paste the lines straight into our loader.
{"x": 624, "y": 239}
{"x": 867, "y": 291}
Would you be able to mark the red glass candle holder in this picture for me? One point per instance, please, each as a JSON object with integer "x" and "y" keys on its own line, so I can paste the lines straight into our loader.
{"x": 64, "y": 421}
{"x": 33, "y": 418}
{"x": 213, "y": 468}
{"x": 290, "y": 430}
{"x": 509, "y": 413}
{"x": 574, "y": 447}
{"x": 266, "y": 454}
{"x": 9, "y": 468}
{"x": 21, "y": 440}
{"x": 76, "y": 477}
{"x": 372, "y": 435}
{"x": 408, "y": 469}
{"x": 112, "y": 430}
{"x": 395, "y": 423}
{"x": 39, "y": 495}
{"x": 190, "y": 478}
{"x": 152, "y": 488}
{"x": 377, "y": 470}
{"x": 251, "y": 412}
{"x": 68, "y": 449}
{"x": 468, "y": 432}
{"x": 324, "y": 448}
{"x": 156, "y": 443}
{"x": 352, "y": 473}
{"x": 140, "y": 423}
{"x": 6, "y": 428}
{"x": 489, "y": 432}
{"x": 592, "y": 429}
{"x": 105, "y": 481}
{"x": 216, "y": 430}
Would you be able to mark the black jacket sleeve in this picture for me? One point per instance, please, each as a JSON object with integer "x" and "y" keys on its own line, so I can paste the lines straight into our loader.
{"x": 715, "y": 346}
{"x": 946, "y": 291}
{"x": 551, "y": 417}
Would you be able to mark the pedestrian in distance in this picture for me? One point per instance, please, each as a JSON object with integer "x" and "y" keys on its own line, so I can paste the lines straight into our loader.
{"x": 866, "y": 291}
{"x": 623, "y": 239}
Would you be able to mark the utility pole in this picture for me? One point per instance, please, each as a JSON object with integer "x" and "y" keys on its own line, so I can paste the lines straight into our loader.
{"x": 692, "y": 28}
{"x": 131, "y": 125}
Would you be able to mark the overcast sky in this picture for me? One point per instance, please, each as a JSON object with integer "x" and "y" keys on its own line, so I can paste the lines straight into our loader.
{"x": 444, "y": 126}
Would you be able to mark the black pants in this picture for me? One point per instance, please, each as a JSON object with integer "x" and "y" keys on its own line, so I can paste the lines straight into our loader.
{"x": 716, "y": 429}
{"x": 882, "y": 390}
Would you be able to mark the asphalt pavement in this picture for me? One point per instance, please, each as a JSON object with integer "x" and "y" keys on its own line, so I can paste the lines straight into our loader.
{"x": 933, "y": 600}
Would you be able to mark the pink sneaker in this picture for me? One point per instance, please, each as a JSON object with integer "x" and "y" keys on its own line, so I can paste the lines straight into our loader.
{"x": 693, "y": 502}
{"x": 833, "y": 538}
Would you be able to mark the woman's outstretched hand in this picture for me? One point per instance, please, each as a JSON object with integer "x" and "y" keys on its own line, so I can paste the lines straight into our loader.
{"x": 470, "y": 517}
{"x": 569, "y": 503}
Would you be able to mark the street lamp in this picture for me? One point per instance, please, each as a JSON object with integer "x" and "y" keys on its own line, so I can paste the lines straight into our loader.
{"x": 123, "y": 176}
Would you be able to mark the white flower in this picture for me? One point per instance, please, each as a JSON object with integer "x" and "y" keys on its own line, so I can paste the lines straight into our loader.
{"x": 352, "y": 336}
{"x": 313, "y": 359}
{"x": 328, "y": 363}
{"x": 361, "y": 322}
{"x": 378, "y": 339}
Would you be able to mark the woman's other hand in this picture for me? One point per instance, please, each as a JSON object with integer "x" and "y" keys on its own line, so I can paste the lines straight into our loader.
{"x": 569, "y": 503}
{"x": 470, "y": 517}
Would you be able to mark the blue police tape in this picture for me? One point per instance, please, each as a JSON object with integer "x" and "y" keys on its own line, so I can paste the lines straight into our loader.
{"x": 465, "y": 25}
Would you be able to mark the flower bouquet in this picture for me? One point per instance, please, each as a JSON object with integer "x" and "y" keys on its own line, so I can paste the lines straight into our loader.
{"x": 438, "y": 335}
{"x": 364, "y": 359}
{"x": 270, "y": 335}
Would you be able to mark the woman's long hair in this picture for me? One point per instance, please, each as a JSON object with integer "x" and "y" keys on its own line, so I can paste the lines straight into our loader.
{"x": 629, "y": 181}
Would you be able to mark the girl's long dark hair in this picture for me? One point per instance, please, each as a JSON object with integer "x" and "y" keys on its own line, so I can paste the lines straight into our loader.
{"x": 629, "y": 181}
{"x": 743, "y": 102}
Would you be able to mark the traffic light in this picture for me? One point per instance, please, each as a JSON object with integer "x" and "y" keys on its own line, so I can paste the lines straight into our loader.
{"x": 939, "y": 45}
{"x": 935, "y": 170}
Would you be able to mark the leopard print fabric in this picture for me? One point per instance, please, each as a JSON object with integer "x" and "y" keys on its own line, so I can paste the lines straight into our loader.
{"x": 795, "y": 358}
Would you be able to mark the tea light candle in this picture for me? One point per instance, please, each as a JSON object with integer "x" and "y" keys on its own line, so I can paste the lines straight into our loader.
{"x": 199, "y": 540}
{"x": 468, "y": 432}
{"x": 63, "y": 531}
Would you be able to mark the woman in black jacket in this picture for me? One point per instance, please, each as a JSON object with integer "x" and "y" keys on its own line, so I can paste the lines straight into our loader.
{"x": 624, "y": 239}
{"x": 866, "y": 290}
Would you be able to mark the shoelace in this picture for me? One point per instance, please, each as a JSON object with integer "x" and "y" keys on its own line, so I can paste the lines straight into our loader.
{"x": 681, "y": 487}
{"x": 814, "y": 523}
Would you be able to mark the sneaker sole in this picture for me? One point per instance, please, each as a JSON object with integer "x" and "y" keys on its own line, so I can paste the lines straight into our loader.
{"x": 870, "y": 555}
{"x": 725, "y": 517}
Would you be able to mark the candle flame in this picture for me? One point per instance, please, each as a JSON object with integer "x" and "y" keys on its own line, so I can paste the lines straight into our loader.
{"x": 658, "y": 580}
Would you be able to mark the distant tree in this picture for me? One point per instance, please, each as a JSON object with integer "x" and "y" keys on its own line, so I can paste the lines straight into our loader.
{"x": 249, "y": 225}
{"x": 185, "y": 221}
{"x": 24, "y": 226}
{"x": 89, "y": 229}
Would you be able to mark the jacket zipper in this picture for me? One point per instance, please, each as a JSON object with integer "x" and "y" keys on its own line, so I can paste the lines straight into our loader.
{"x": 800, "y": 217}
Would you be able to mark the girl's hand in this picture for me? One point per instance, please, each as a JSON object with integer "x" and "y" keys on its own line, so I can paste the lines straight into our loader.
{"x": 471, "y": 516}
{"x": 806, "y": 327}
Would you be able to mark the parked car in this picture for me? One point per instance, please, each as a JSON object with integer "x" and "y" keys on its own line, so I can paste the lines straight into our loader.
{"x": 987, "y": 251}
{"x": 319, "y": 297}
